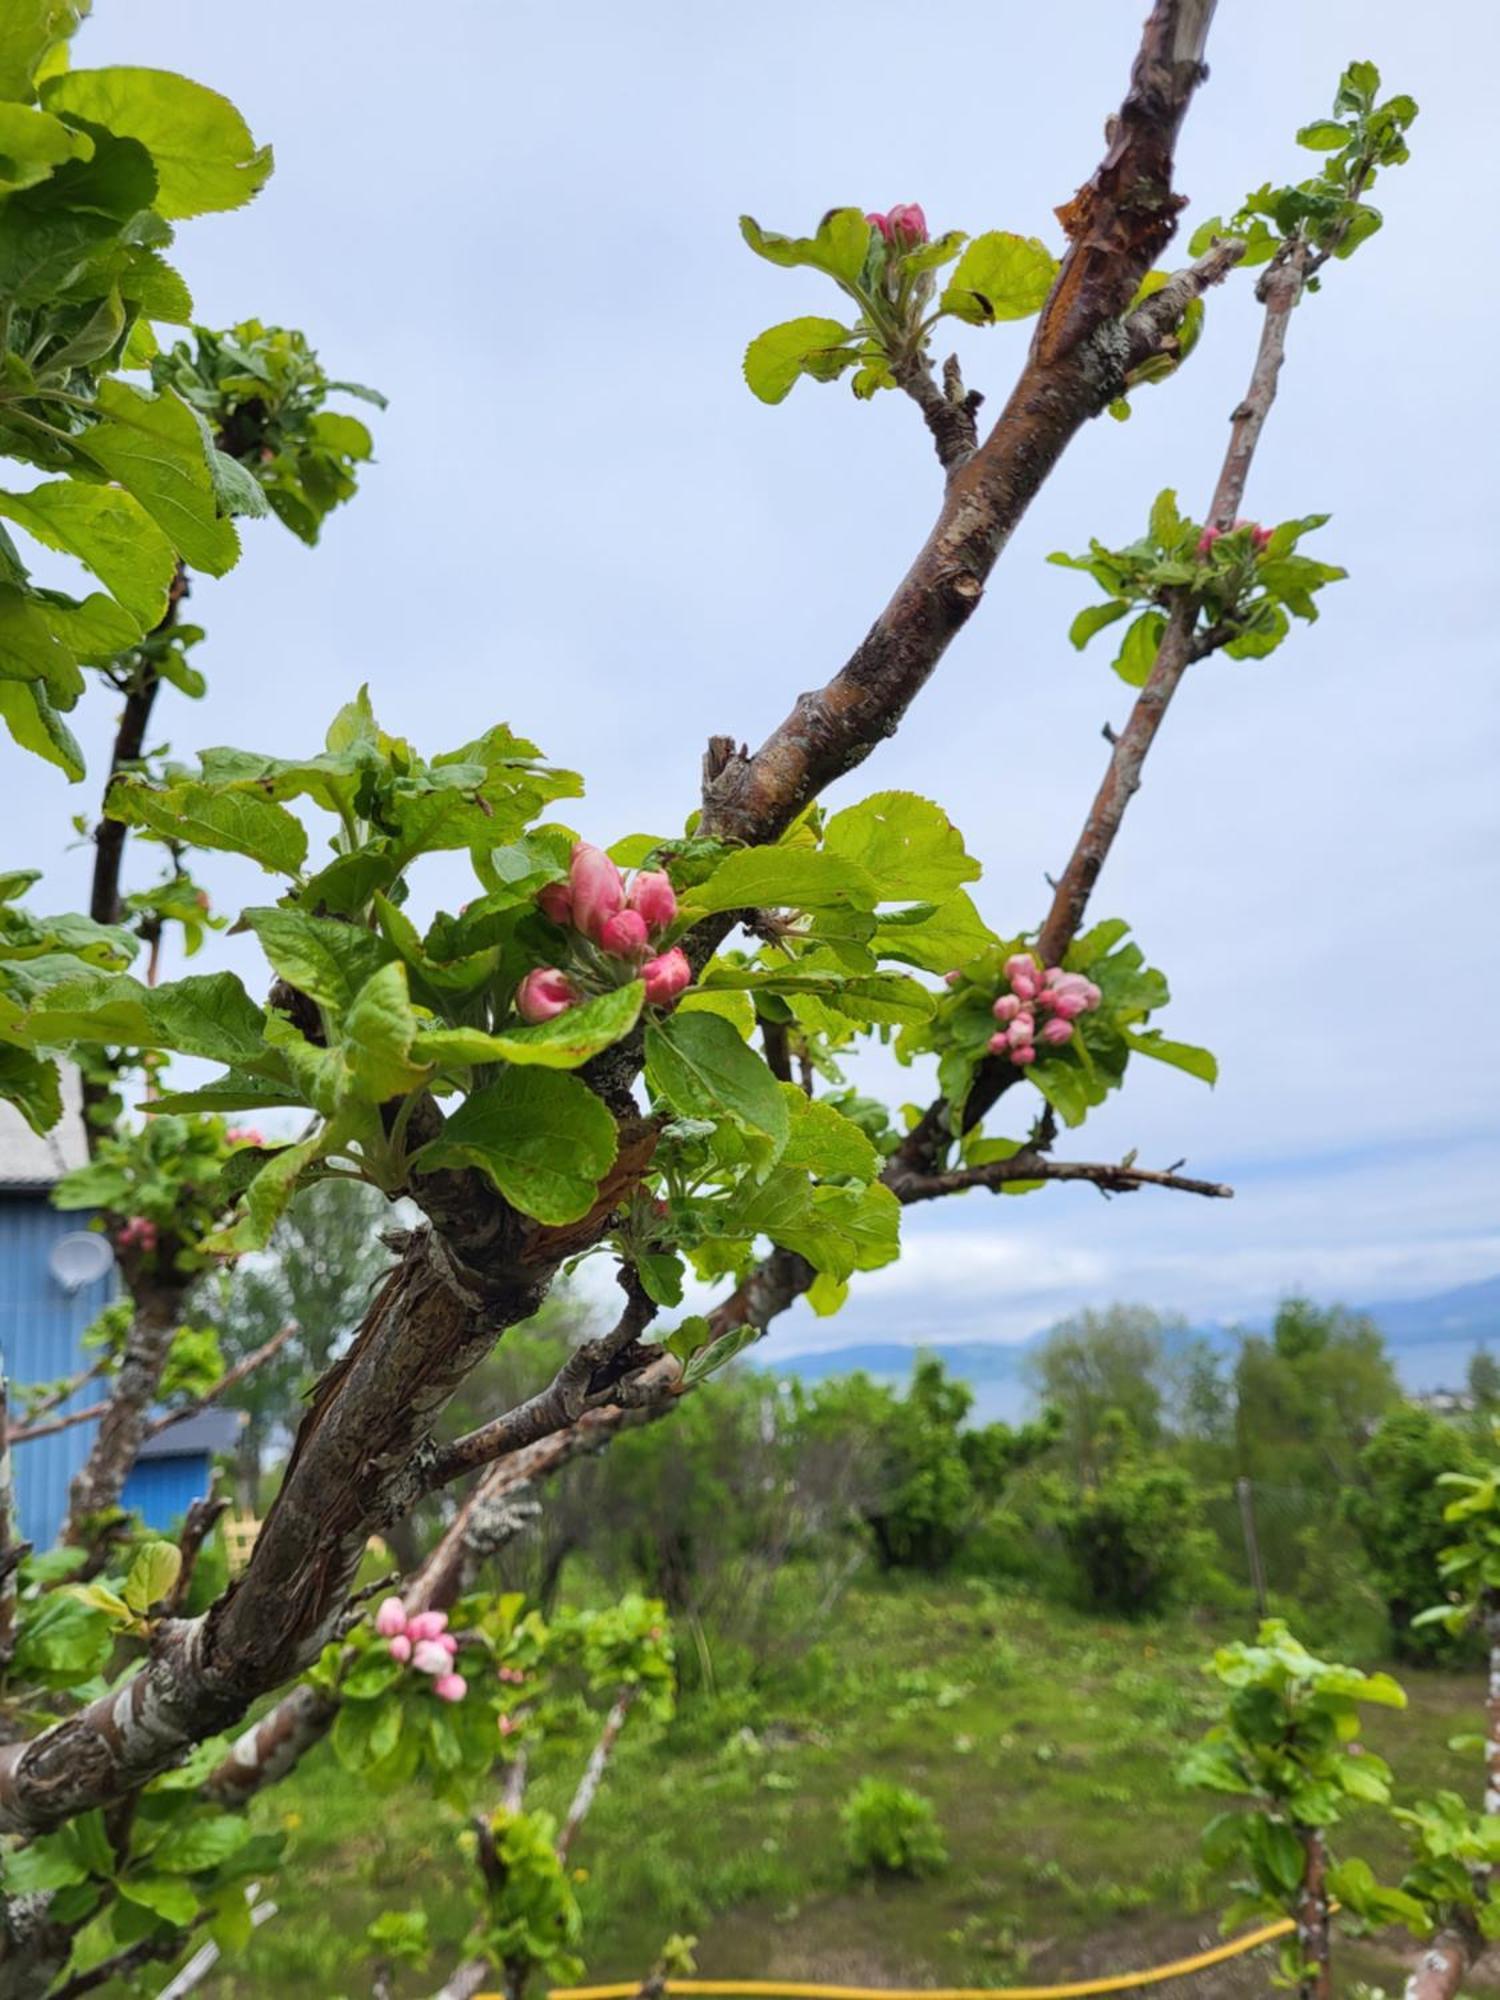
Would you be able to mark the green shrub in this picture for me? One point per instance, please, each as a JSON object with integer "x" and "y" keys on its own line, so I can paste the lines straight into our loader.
{"x": 889, "y": 1830}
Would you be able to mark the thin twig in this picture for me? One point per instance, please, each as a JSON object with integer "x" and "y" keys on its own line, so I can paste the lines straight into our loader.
{"x": 1111, "y": 1177}
{"x": 230, "y": 1379}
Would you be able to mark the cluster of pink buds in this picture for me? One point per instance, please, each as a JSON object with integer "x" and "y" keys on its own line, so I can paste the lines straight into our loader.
{"x": 513, "y": 1676}
{"x": 424, "y": 1642}
{"x": 244, "y": 1135}
{"x": 1260, "y": 538}
{"x": 903, "y": 227}
{"x": 1060, "y": 997}
{"x": 622, "y": 920}
{"x": 139, "y": 1233}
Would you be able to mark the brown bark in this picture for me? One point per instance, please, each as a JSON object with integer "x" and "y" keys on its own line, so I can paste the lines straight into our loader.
{"x": 1444, "y": 1962}
{"x": 1118, "y": 225}
{"x": 1315, "y": 1981}
{"x": 99, "y": 1482}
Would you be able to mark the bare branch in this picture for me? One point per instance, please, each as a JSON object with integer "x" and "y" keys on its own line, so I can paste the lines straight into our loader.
{"x": 593, "y": 1771}
{"x": 49, "y": 1426}
{"x": 201, "y": 1519}
{"x": 589, "y": 1378}
{"x": 59, "y": 1393}
{"x": 230, "y": 1379}
{"x": 1109, "y": 1177}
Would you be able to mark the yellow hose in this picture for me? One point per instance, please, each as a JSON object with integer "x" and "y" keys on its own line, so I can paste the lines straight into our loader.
{"x": 1075, "y": 1989}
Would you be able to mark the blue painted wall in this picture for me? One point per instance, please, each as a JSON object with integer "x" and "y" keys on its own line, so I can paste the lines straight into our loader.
{"x": 41, "y": 1331}
{"x": 161, "y": 1490}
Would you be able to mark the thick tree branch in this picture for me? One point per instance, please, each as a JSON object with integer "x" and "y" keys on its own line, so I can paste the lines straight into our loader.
{"x": 1118, "y": 225}
{"x": 588, "y": 1378}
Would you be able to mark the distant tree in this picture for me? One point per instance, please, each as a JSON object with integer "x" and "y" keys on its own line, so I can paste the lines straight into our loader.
{"x": 1133, "y": 1533}
{"x": 1309, "y": 1397}
{"x": 1397, "y": 1512}
{"x": 1484, "y": 1382}
{"x": 322, "y": 1261}
{"x": 1099, "y": 1362}
{"x": 929, "y": 1474}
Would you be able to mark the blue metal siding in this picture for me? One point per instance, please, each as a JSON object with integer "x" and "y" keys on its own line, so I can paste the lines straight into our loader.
{"x": 161, "y": 1490}
{"x": 40, "y": 1331}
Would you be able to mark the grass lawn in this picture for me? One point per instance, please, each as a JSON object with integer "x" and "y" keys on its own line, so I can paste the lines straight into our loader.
{"x": 1045, "y": 1739}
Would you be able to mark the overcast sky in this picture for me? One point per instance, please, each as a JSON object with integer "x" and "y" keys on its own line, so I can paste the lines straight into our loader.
{"x": 520, "y": 223}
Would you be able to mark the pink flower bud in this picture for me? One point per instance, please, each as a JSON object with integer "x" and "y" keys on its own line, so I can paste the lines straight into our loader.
{"x": 598, "y": 889}
{"x": 506, "y": 1725}
{"x": 244, "y": 1135}
{"x": 998, "y": 1045}
{"x": 1006, "y": 1007}
{"x": 1070, "y": 1005}
{"x": 1021, "y": 1031}
{"x": 1260, "y": 539}
{"x": 399, "y": 1648}
{"x": 908, "y": 225}
{"x": 390, "y": 1618}
{"x": 1055, "y": 976}
{"x": 1024, "y": 986}
{"x": 545, "y": 993}
{"x": 1056, "y": 1032}
{"x": 624, "y": 933}
{"x": 449, "y": 1643}
{"x": 1206, "y": 541}
{"x": 1023, "y": 1056}
{"x": 428, "y": 1657}
{"x": 652, "y": 894}
{"x": 139, "y": 1233}
{"x": 427, "y": 1625}
{"x": 952, "y": 978}
{"x": 450, "y": 1687}
{"x": 1021, "y": 965}
{"x": 556, "y": 902}
{"x": 666, "y": 976}
{"x": 882, "y": 223}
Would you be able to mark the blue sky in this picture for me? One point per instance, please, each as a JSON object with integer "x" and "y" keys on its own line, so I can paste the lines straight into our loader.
{"x": 521, "y": 225}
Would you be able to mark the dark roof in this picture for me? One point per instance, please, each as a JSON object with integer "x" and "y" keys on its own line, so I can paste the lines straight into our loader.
{"x": 210, "y": 1430}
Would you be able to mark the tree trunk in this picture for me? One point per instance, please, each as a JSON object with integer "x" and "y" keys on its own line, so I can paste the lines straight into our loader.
{"x": 98, "y": 1484}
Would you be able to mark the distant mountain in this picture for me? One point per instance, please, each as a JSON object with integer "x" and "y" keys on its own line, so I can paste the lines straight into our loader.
{"x": 1430, "y": 1341}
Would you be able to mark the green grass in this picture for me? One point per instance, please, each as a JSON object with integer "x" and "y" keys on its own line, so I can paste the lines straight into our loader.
{"x": 1045, "y": 1740}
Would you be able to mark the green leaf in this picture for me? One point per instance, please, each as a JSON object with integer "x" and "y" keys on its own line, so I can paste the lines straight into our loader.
{"x": 718, "y": 1353}
{"x": 561, "y": 1043}
{"x": 700, "y": 1066}
{"x": 152, "y": 1575}
{"x": 377, "y": 1036}
{"x": 154, "y": 447}
{"x": 326, "y": 960}
{"x": 1093, "y": 618}
{"x": 1201, "y": 1063}
{"x": 207, "y": 1015}
{"x": 801, "y": 878}
{"x": 164, "y": 1895}
{"x": 195, "y": 1845}
{"x": 937, "y": 939}
{"x": 825, "y": 1143}
{"x": 32, "y": 143}
{"x": 908, "y": 846}
{"x": 775, "y": 358}
{"x": 839, "y": 248}
{"x": 108, "y": 531}
{"x": 1137, "y": 654}
{"x": 1000, "y": 276}
{"x": 544, "y": 1139}
{"x": 36, "y": 726}
{"x": 29, "y": 31}
{"x": 1324, "y": 135}
{"x": 267, "y": 1196}
{"x": 231, "y": 822}
{"x": 32, "y": 1084}
{"x": 201, "y": 147}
